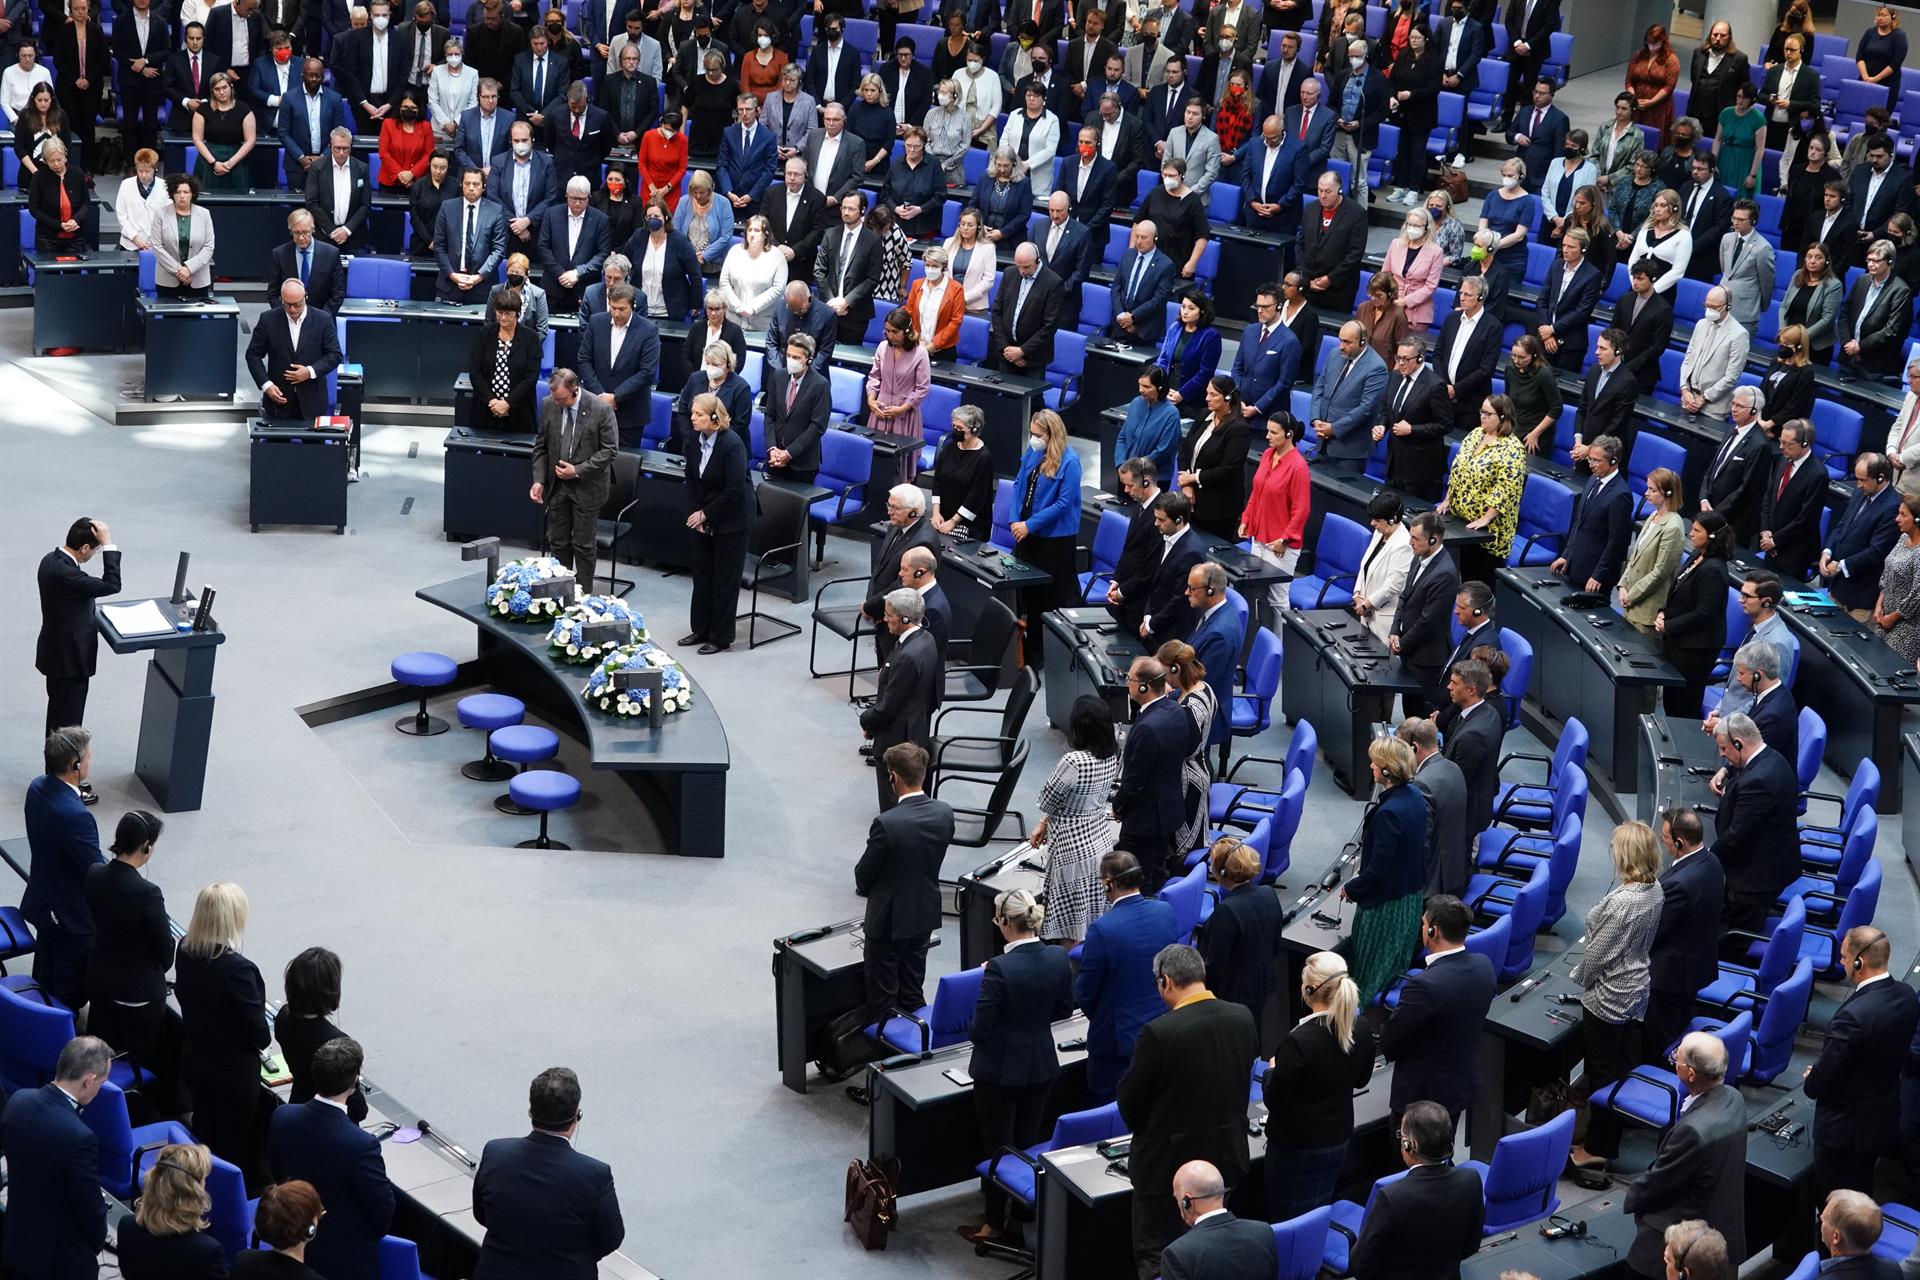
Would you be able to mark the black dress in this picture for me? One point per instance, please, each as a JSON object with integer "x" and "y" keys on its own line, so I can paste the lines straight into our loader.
{"x": 1419, "y": 114}
{"x": 423, "y": 202}
{"x": 127, "y": 973}
{"x": 1180, "y": 220}
{"x": 1694, "y": 629}
{"x": 299, "y": 1039}
{"x": 964, "y": 478}
{"x": 223, "y": 1003}
{"x": 508, "y": 375}
{"x": 1805, "y": 208}
{"x": 1789, "y": 389}
{"x": 708, "y": 113}
{"x": 195, "y": 1255}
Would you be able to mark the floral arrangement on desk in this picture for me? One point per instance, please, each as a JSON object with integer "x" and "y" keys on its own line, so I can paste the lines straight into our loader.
{"x": 599, "y": 691}
{"x": 511, "y": 596}
{"x": 567, "y": 641}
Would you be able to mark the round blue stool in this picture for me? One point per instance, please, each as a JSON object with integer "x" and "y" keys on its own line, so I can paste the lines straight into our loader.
{"x": 424, "y": 671}
{"x": 489, "y": 711}
{"x": 542, "y": 791}
{"x": 522, "y": 745}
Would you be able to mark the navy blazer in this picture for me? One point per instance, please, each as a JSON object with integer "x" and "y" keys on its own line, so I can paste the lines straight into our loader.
{"x": 1024, "y": 991}
{"x": 1474, "y": 745}
{"x": 582, "y": 157}
{"x": 1542, "y": 148}
{"x": 543, "y": 190}
{"x": 734, "y": 393}
{"x": 466, "y": 139}
{"x": 1150, "y": 800}
{"x": 1596, "y": 547}
{"x": 800, "y": 432}
{"x": 295, "y": 125}
{"x": 1282, "y": 185}
{"x": 724, "y": 491}
{"x": 1166, "y": 600}
{"x": 326, "y": 274}
{"x": 520, "y": 91}
{"x": 1861, "y": 538}
{"x": 1779, "y": 722}
{"x": 1196, "y": 366}
{"x": 316, "y": 1142}
{"x": 53, "y": 1187}
{"x": 1473, "y": 47}
{"x": 1075, "y": 257}
{"x": 550, "y": 1212}
{"x": 819, "y": 323}
{"x": 1264, "y": 371}
{"x": 1091, "y": 207}
{"x": 1685, "y": 954}
{"x": 1570, "y": 310}
{"x": 1393, "y": 848}
{"x": 1148, "y": 303}
{"x": 680, "y": 281}
{"x": 1164, "y": 110}
{"x": 1216, "y": 643}
{"x": 1855, "y": 1082}
{"x": 1433, "y": 1037}
{"x": 1115, "y": 985}
{"x": 270, "y": 351}
{"x": 899, "y": 870}
{"x": 1754, "y": 834}
{"x": 631, "y": 378}
{"x": 65, "y": 844}
{"x": 1318, "y": 144}
{"x": 588, "y": 254}
{"x": 489, "y": 230}
{"x": 1240, "y": 944}
{"x": 744, "y": 170}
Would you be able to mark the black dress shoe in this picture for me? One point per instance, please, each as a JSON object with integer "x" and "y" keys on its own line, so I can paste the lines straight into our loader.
{"x": 711, "y": 647}
{"x": 866, "y": 748}
{"x": 859, "y": 1094}
{"x": 685, "y": 641}
{"x": 88, "y": 795}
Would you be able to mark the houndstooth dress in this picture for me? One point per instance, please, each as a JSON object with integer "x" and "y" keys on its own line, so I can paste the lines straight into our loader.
{"x": 1079, "y": 833}
{"x": 1196, "y": 776}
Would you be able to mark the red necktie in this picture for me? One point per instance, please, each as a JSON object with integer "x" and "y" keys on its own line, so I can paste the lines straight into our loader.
{"x": 196, "y": 75}
{"x": 1786, "y": 474}
{"x": 576, "y": 127}
{"x": 1305, "y": 117}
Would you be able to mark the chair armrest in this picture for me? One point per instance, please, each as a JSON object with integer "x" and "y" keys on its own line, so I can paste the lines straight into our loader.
{"x": 1546, "y": 772}
{"x": 944, "y": 712}
{"x": 1833, "y": 901}
{"x": 1353, "y": 1242}
{"x": 1243, "y": 760}
{"x": 1820, "y": 837}
{"x": 1007, "y": 747}
{"x": 819, "y": 597}
{"x": 1556, "y": 540}
{"x": 1327, "y": 584}
{"x": 926, "y": 1032}
{"x": 993, "y": 1168}
{"x": 1673, "y": 1095}
{"x": 1500, "y": 860}
{"x": 1234, "y": 806}
{"x": 772, "y": 553}
{"x": 15, "y": 942}
{"x": 1838, "y": 802}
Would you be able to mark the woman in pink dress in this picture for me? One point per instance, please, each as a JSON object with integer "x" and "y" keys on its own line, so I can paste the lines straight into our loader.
{"x": 898, "y": 384}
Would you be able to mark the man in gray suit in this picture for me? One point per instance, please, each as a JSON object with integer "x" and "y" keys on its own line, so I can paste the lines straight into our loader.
{"x": 1196, "y": 144}
{"x": 1449, "y": 860}
{"x": 1746, "y": 266}
{"x": 1716, "y": 357}
{"x": 1346, "y": 400}
{"x": 573, "y": 470}
{"x": 1699, "y": 1170}
{"x": 903, "y": 705}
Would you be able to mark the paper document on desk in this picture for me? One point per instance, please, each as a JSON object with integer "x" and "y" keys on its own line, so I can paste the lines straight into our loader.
{"x": 141, "y": 619}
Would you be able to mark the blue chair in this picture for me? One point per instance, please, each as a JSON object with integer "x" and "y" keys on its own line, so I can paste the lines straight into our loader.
{"x": 1336, "y": 560}
{"x": 1813, "y": 746}
{"x": 1521, "y": 1180}
{"x": 1300, "y": 1243}
{"x": 1821, "y": 942}
{"x": 849, "y": 391}
{"x": 1519, "y": 651}
{"x": 946, "y": 1021}
{"x": 1820, "y": 847}
{"x": 1063, "y": 374}
{"x": 1183, "y": 895}
{"x": 1512, "y": 855}
{"x": 489, "y": 711}
{"x": 1742, "y": 986}
{"x": 1285, "y": 825}
{"x": 34, "y": 1028}
{"x": 423, "y": 671}
{"x": 1242, "y": 805}
{"x": 1651, "y": 1094}
{"x": 1530, "y": 807}
{"x": 1651, "y": 452}
{"x": 1829, "y": 889}
{"x": 230, "y": 1216}
{"x": 1344, "y": 1220}
{"x": 1525, "y": 909}
{"x": 973, "y": 335}
{"x": 1546, "y": 513}
{"x": 399, "y": 1259}
{"x": 1836, "y": 435}
{"x": 846, "y": 460}
{"x": 544, "y": 790}
{"x": 1096, "y": 308}
{"x": 106, "y": 1115}
{"x": 1809, "y": 1268}
{"x": 1780, "y": 1019}
{"x": 1490, "y": 942}
{"x": 1017, "y": 1172}
{"x": 521, "y": 745}
{"x": 388, "y": 279}
{"x": 16, "y": 936}
{"x": 658, "y": 428}
{"x": 1109, "y": 536}
{"x": 1253, "y": 705}
{"x": 1260, "y": 839}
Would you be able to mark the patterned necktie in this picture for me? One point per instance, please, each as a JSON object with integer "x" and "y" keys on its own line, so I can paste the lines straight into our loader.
{"x": 306, "y": 261}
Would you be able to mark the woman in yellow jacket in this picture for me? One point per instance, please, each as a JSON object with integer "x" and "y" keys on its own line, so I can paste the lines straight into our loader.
{"x": 1654, "y": 557}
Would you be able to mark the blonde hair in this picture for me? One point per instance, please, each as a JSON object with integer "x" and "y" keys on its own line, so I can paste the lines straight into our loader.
{"x": 173, "y": 1193}
{"x": 1394, "y": 758}
{"x": 1636, "y": 853}
{"x": 708, "y": 403}
{"x": 1325, "y": 975}
{"x": 1233, "y": 862}
{"x": 219, "y": 921}
{"x": 1020, "y": 909}
{"x": 877, "y": 83}
{"x": 1056, "y": 441}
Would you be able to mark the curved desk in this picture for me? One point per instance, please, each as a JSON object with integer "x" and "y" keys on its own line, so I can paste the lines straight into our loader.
{"x": 678, "y": 770}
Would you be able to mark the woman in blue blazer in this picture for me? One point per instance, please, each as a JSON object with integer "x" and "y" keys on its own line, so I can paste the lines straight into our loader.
{"x": 1190, "y": 353}
{"x": 1390, "y": 887}
{"x": 1046, "y": 519}
{"x": 1152, "y": 427}
{"x": 1024, "y": 991}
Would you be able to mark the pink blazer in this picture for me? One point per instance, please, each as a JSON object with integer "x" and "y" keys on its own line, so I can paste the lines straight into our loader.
{"x": 1416, "y": 285}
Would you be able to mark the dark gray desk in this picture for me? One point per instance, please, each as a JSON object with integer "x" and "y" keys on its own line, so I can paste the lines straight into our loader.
{"x": 1248, "y": 259}
{"x": 662, "y": 504}
{"x": 247, "y": 226}
{"x": 1110, "y": 380}
{"x": 1086, "y": 653}
{"x": 918, "y": 1116}
{"x": 1023, "y": 867}
{"x": 1343, "y": 680}
{"x": 678, "y": 770}
{"x": 971, "y": 579}
{"x": 1009, "y": 399}
{"x": 415, "y": 362}
{"x": 1597, "y": 673}
{"x": 817, "y": 976}
{"x": 1780, "y": 1203}
{"x": 1601, "y": 1253}
{"x": 192, "y": 347}
{"x": 1676, "y": 765}
{"x": 1346, "y": 494}
{"x": 176, "y": 714}
{"x": 297, "y": 475}
{"x": 84, "y": 302}
{"x": 484, "y": 493}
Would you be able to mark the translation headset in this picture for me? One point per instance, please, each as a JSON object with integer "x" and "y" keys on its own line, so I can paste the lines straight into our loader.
{"x": 147, "y": 834}
{"x": 1859, "y": 956}
{"x": 1680, "y": 1263}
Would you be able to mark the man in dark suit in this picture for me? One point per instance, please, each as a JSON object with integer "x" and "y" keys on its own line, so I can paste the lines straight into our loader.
{"x": 1858, "y": 542}
{"x": 1596, "y": 547}
{"x": 1331, "y": 246}
{"x": 1686, "y": 946}
{"x": 64, "y": 844}
{"x": 1149, "y": 801}
{"x": 1268, "y": 359}
{"x": 833, "y": 66}
{"x": 1140, "y": 554}
{"x": 1754, "y": 834}
{"x": 1757, "y": 669}
{"x": 1181, "y": 1097}
{"x": 835, "y": 161}
{"x": 1473, "y": 611}
{"x": 1282, "y": 79}
{"x": 573, "y": 241}
{"x": 1850, "y": 1226}
{"x": 188, "y": 77}
{"x": 316, "y": 1143}
{"x": 1608, "y": 396}
{"x": 1877, "y": 190}
{"x": 1111, "y": 78}
{"x": 140, "y": 44}
{"x": 1474, "y": 732}
{"x": 293, "y": 349}
{"x": 307, "y": 120}
{"x": 802, "y": 314}
{"x": 918, "y": 569}
{"x": 848, "y": 269}
{"x": 1529, "y": 25}
{"x": 1089, "y": 183}
{"x": 899, "y": 876}
{"x": 1218, "y": 634}
{"x": 1468, "y": 352}
{"x": 1085, "y": 61}
{"x": 578, "y": 135}
{"x": 1026, "y": 311}
{"x": 69, "y": 644}
{"x": 338, "y": 192}
{"x": 524, "y": 184}
{"x": 620, "y": 363}
{"x": 1216, "y": 1243}
{"x": 1448, "y": 860}
{"x": 1790, "y": 508}
{"x": 357, "y": 58}
{"x": 1164, "y": 612}
{"x": 1736, "y": 478}
{"x": 1462, "y": 41}
{"x": 539, "y": 76}
{"x": 1268, "y": 165}
{"x": 484, "y": 138}
{"x": 54, "y": 1201}
{"x": 1143, "y": 284}
{"x": 1422, "y": 629}
{"x": 1707, "y": 211}
{"x": 907, "y": 526}
{"x": 1165, "y": 106}
{"x": 1855, "y": 1083}
{"x": 748, "y": 153}
{"x": 908, "y": 693}
{"x": 1877, "y": 315}
{"x": 1311, "y": 124}
{"x": 1567, "y": 303}
{"x": 1433, "y": 1037}
{"x": 1539, "y": 132}
{"x": 796, "y": 219}
{"x": 1414, "y": 418}
{"x": 797, "y": 408}
{"x": 548, "y": 1210}
{"x": 1116, "y": 986}
{"x": 1123, "y": 139}
{"x": 312, "y": 261}
{"x": 573, "y": 471}
{"x": 1430, "y": 1220}
{"x": 1646, "y": 316}
{"x": 470, "y": 239}
{"x": 1699, "y": 1170}
{"x": 425, "y": 40}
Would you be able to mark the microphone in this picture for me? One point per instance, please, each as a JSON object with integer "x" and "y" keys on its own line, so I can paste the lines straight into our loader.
{"x": 426, "y": 1130}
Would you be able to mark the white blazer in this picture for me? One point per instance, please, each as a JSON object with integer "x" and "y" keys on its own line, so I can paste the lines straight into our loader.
{"x": 1382, "y": 581}
{"x": 982, "y": 269}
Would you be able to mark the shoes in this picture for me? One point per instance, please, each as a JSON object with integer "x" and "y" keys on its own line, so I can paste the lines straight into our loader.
{"x": 353, "y": 476}
{"x": 859, "y": 1094}
{"x": 87, "y": 794}
{"x": 711, "y": 647}
{"x": 689, "y": 640}
{"x": 982, "y": 1234}
{"x": 866, "y": 748}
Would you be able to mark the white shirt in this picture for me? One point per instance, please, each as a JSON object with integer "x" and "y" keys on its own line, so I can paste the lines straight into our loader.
{"x": 378, "y": 84}
{"x": 833, "y": 68}
{"x": 653, "y": 271}
{"x": 931, "y": 296}
{"x": 1787, "y": 76}
{"x": 616, "y": 338}
{"x": 1874, "y": 177}
{"x": 575, "y": 221}
{"x": 1109, "y": 134}
{"x": 829, "y": 152}
{"x": 1467, "y": 325}
{"x": 1442, "y": 955}
{"x": 242, "y": 55}
{"x": 283, "y": 76}
{"x": 293, "y": 330}
{"x": 1168, "y": 539}
{"x": 342, "y": 191}
{"x": 1266, "y": 165}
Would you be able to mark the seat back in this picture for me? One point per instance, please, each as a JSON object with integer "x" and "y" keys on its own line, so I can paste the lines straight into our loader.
{"x": 389, "y": 279}
{"x": 1524, "y": 1172}
{"x": 993, "y": 635}
{"x": 1813, "y": 746}
{"x": 1782, "y": 951}
{"x": 1002, "y": 535}
{"x": 849, "y": 390}
{"x": 1263, "y": 678}
{"x": 1779, "y": 1022}
{"x": 1529, "y": 910}
{"x": 973, "y": 339}
{"x": 1078, "y": 1128}
{"x": 1571, "y": 750}
{"x": 1019, "y": 701}
{"x": 1546, "y": 513}
{"x": 1301, "y": 750}
{"x": 780, "y": 526}
{"x": 34, "y": 1028}
{"x": 998, "y": 800}
{"x": 230, "y": 1218}
{"x": 1857, "y": 910}
{"x": 1856, "y": 852}
{"x": 1738, "y": 627}
{"x": 1519, "y": 651}
{"x": 1184, "y": 895}
{"x": 1342, "y": 543}
{"x": 1299, "y": 1244}
{"x": 1492, "y": 941}
{"x": 1565, "y": 859}
{"x": 951, "y": 1016}
{"x": 1836, "y": 435}
{"x": 106, "y": 1115}
{"x": 1651, "y": 452}
{"x": 1108, "y": 539}
{"x": 399, "y": 1259}
{"x": 1287, "y": 812}
{"x": 1864, "y": 790}
{"x": 659, "y": 427}
{"x": 846, "y": 460}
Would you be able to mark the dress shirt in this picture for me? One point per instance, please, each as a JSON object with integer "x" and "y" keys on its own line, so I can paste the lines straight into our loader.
{"x": 522, "y": 178}
{"x": 342, "y": 191}
{"x": 1266, "y": 166}
{"x": 377, "y": 83}
{"x": 1873, "y": 295}
{"x": 486, "y": 139}
{"x": 829, "y": 152}
{"x": 653, "y": 274}
{"x": 313, "y": 124}
{"x": 1109, "y": 135}
{"x": 617, "y": 338}
{"x": 1020, "y": 299}
{"x": 706, "y": 452}
{"x": 1467, "y": 325}
{"x": 1452, "y": 63}
{"x": 574, "y": 222}
{"x": 242, "y": 55}
{"x": 1787, "y": 76}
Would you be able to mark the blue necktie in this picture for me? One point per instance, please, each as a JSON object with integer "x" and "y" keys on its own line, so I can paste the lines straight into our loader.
{"x": 1133, "y": 285}
{"x": 306, "y": 258}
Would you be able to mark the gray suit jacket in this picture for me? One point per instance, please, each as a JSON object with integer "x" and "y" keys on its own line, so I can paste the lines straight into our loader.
{"x": 596, "y": 439}
{"x": 1448, "y": 858}
{"x": 848, "y": 167}
{"x": 1749, "y": 283}
{"x": 1202, "y": 156}
{"x": 1716, "y": 357}
{"x": 165, "y": 237}
{"x": 1698, "y": 1172}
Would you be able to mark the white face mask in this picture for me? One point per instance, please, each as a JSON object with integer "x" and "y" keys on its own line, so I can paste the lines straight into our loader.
{"x": 716, "y": 373}
{"x": 934, "y": 274}
{"x": 1226, "y": 47}
{"x": 453, "y": 62}
{"x": 1171, "y": 182}
{"x": 795, "y": 367}
{"x": 946, "y": 99}
{"x": 765, "y": 42}
{"x": 523, "y": 149}
{"x": 974, "y": 65}
{"x": 380, "y": 22}
{"x": 1508, "y": 183}
{"x": 1035, "y": 444}
{"x": 1416, "y": 233}
{"x": 1357, "y": 60}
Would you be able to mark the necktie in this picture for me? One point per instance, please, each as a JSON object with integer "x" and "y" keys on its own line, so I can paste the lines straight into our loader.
{"x": 1053, "y": 242}
{"x": 793, "y": 389}
{"x": 539, "y": 80}
{"x": 566, "y": 436}
{"x": 1537, "y": 113}
{"x": 467, "y": 240}
{"x": 848, "y": 244}
{"x": 196, "y": 75}
{"x": 1719, "y": 459}
{"x": 578, "y": 122}
{"x": 1266, "y": 331}
{"x": 1738, "y": 245}
{"x": 1693, "y": 204}
{"x": 1345, "y": 369}
{"x": 1306, "y": 118}
{"x": 1133, "y": 284}
{"x": 1786, "y": 475}
{"x": 306, "y": 258}
{"x": 1400, "y": 401}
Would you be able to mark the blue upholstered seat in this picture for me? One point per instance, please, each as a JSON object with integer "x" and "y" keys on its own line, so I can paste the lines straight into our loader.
{"x": 490, "y": 711}
{"x": 424, "y": 670}
{"x": 544, "y": 789}
{"x": 525, "y": 743}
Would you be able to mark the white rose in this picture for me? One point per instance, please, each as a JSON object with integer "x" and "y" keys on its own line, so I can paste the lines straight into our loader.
{"x": 573, "y": 651}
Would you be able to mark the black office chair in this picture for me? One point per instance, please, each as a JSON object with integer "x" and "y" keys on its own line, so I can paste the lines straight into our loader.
{"x": 609, "y": 534}
{"x": 774, "y": 549}
{"x": 974, "y": 754}
{"x": 843, "y": 619}
{"x": 987, "y": 655}
{"x": 977, "y": 828}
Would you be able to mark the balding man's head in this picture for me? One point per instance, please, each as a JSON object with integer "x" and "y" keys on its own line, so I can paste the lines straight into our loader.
{"x": 1198, "y": 1189}
{"x": 1144, "y": 236}
{"x": 293, "y": 297}
{"x": 1026, "y": 258}
{"x": 798, "y": 296}
{"x": 1352, "y": 337}
{"x": 1146, "y": 680}
{"x": 917, "y": 568}
{"x": 1702, "y": 1060}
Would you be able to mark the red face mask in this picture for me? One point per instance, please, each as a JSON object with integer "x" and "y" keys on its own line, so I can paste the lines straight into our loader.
{"x": 283, "y": 55}
{"x": 1086, "y": 151}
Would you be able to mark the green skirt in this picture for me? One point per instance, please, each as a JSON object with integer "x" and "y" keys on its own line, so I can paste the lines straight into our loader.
{"x": 1382, "y": 943}
{"x": 240, "y": 178}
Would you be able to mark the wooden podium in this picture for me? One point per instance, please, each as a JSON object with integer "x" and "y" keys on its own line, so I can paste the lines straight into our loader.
{"x": 176, "y": 715}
